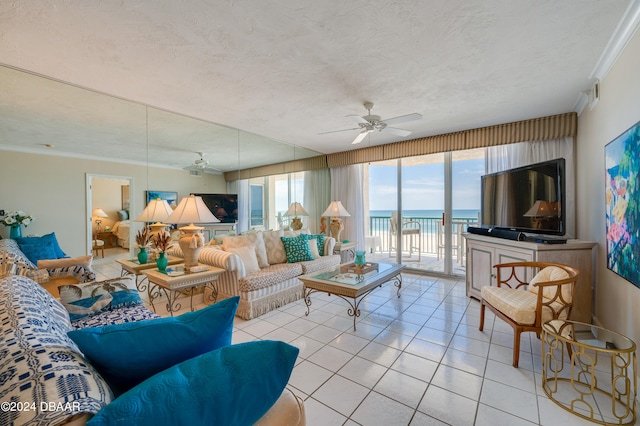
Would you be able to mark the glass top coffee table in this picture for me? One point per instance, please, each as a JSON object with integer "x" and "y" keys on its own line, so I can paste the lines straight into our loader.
{"x": 348, "y": 283}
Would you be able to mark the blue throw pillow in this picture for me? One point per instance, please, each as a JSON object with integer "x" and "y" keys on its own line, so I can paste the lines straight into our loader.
{"x": 127, "y": 354}
{"x": 320, "y": 240}
{"x": 38, "y": 251}
{"x": 297, "y": 248}
{"x": 44, "y": 239}
{"x": 234, "y": 385}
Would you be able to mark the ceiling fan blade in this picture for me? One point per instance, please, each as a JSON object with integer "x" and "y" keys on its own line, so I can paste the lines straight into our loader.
{"x": 403, "y": 118}
{"x": 357, "y": 119}
{"x": 336, "y": 131}
{"x": 396, "y": 131}
{"x": 360, "y": 137}
{"x": 212, "y": 171}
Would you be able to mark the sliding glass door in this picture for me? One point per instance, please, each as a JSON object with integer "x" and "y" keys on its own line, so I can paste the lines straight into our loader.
{"x": 419, "y": 207}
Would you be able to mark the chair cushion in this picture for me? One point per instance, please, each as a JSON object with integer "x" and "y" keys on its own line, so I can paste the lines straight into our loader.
{"x": 551, "y": 273}
{"x": 324, "y": 262}
{"x": 127, "y": 354}
{"x": 519, "y": 305}
{"x": 233, "y": 385}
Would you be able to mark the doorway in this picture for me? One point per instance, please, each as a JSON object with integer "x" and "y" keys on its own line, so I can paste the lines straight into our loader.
{"x": 112, "y": 195}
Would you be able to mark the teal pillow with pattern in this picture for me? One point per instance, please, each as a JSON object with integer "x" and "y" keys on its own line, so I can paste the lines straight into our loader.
{"x": 320, "y": 240}
{"x": 297, "y": 248}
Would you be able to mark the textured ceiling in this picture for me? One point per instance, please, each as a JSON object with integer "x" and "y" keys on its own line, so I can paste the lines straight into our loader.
{"x": 291, "y": 69}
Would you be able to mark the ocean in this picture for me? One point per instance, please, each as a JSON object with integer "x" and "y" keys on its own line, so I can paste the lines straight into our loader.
{"x": 457, "y": 214}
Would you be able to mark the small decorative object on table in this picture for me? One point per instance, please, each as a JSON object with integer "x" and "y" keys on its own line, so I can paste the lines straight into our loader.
{"x": 15, "y": 220}
{"x": 360, "y": 259}
{"x": 142, "y": 239}
{"x": 162, "y": 241}
{"x": 359, "y": 269}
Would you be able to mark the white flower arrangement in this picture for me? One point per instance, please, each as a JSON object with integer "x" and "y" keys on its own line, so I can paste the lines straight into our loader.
{"x": 16, "y": 218}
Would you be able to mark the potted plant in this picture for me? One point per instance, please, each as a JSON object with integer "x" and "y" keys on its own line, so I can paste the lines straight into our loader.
{"x": 162, "y": 241}
{"x": 142, "y": 239}
{"x": 15, "y": 220}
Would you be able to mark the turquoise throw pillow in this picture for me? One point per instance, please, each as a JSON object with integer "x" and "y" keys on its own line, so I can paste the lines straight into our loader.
{"x": 297, "y": 248}
{"x": 48, "y": 238}
{"x": 38, "y": 251}
{"x": 129, "y": 353}
{"x": 320, "y": 240}
{"x": 82, "y": 300}
{"x": 234, "y": 385}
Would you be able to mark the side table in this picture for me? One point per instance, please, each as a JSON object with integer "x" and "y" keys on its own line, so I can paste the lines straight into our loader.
{"x": 176, "y": 281}
{"x": 132, "y": 266}
{"x": 347, "y": 251}
{"x": 586, "y": 379}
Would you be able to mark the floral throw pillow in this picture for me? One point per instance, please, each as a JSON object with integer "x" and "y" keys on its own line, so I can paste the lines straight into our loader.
{"x": 297, "y": 248}
{"x": 275, "y": 247}
{"x": 91, "y": 298}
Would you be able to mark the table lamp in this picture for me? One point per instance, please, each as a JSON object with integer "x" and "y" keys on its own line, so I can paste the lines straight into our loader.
{"x": 99, "y": 213}
{"x": 191, "y": 210}
{"x": 539, "y": 211}
{"x": 336, "y": 210}
{"x": 296, "y": 210}
{"x": 156, "y": 211}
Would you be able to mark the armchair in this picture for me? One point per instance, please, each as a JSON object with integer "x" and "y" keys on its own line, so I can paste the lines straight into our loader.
{"x": 408, "y": 227}
{"x": 526, "y": 306}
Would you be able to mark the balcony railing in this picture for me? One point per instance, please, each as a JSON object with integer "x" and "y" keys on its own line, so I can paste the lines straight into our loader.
{"x": 430, "y": 231}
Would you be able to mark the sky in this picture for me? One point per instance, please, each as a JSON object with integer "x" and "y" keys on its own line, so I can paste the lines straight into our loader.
{"x": 423, "y": 186}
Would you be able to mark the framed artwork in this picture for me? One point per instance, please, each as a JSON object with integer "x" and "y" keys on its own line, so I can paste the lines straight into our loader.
{"x": 170, "y": 196}
{"x": 622, "y": 193}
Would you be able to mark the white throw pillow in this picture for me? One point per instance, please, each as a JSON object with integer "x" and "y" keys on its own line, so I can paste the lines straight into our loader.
{"x": 248, "y": 256}
{"x": 253, "y": 239}
{"x": 313, "y": 245}
{"x": 274, "y": 247}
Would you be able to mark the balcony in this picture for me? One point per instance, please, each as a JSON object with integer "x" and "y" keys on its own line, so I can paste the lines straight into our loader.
{"x": 431, "y": 243}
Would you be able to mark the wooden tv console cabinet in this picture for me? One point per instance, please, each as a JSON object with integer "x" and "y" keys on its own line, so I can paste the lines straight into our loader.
{"x": 483, "y": 252}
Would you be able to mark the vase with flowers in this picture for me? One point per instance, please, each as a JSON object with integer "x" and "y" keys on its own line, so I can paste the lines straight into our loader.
{"x": 142, "y": 240}
{"x": 162, "y": 241}
{"x": 15, "y": 221}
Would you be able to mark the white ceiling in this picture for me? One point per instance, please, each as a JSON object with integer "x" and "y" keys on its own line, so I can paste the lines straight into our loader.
{"x": 291, "y": 69}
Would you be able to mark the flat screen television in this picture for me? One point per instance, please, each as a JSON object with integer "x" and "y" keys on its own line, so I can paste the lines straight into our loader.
{"x": 526, "y": 199}
{"x": 223, "y": 206}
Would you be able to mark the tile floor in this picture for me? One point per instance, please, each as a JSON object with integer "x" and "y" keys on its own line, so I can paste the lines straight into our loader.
{"x": 414, "y": 360}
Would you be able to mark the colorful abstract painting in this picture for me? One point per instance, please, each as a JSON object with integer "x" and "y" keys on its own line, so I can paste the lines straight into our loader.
{"x": 170, "y": 196}
{"x": 622, "y": 157}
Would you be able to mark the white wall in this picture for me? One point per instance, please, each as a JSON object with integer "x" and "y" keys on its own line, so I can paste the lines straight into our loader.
{"x": 617, "y": 300}
{"x": 53, "y": 189}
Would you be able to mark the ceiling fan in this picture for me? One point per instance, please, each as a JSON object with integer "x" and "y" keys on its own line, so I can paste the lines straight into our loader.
{"x": 201, "y": 165}
{"x": 370, "y": 123}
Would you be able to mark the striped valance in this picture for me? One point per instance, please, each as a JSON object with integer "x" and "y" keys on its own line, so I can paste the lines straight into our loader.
{"x": 537, "y": 129}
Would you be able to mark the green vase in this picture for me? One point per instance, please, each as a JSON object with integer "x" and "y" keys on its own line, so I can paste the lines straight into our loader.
{"x": 162, "y": 262}
{"x": 143, "y": 256}
{"x": 15, "y": 231}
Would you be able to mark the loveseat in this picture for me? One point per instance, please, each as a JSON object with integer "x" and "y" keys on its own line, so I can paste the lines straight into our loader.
{"x": 48, "y": 272}
{"x": 263, "y": 267}
{"x": 49, "y": 374}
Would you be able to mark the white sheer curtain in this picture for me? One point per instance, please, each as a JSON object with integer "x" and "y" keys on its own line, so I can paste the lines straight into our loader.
{"x": 347, "y": 187}
{"x": 242, "y": 186}
{"x": 317, "y": 196}
{"x": 503, "y": 157}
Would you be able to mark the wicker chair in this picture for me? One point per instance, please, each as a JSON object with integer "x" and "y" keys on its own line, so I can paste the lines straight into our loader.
{"x": 520, "y": 303}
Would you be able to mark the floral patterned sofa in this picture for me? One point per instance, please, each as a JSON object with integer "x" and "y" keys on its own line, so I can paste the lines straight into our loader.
{"x": 45, "y": 379}
{"x": 266, "y": 275}
{"x": 48, "y": 273}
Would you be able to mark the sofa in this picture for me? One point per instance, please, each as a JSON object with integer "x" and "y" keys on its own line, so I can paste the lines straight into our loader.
{"x": 45, "y": 378}
{"x": 263, "y": 267}
{"x": 49, "y": 273}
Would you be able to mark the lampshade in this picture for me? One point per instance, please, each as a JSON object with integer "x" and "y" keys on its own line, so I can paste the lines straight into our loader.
{"x": 191, "y": 210}
{"x": 98, "y": 213}
{"x": 540, "y": 208}
{"x": 296, "y": 209}
{"x": 156, "y": 211}
{"x": 336, "y": 209}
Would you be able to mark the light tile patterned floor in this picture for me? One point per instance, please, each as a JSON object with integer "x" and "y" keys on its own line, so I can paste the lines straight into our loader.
{"x": 418, "y": 359}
